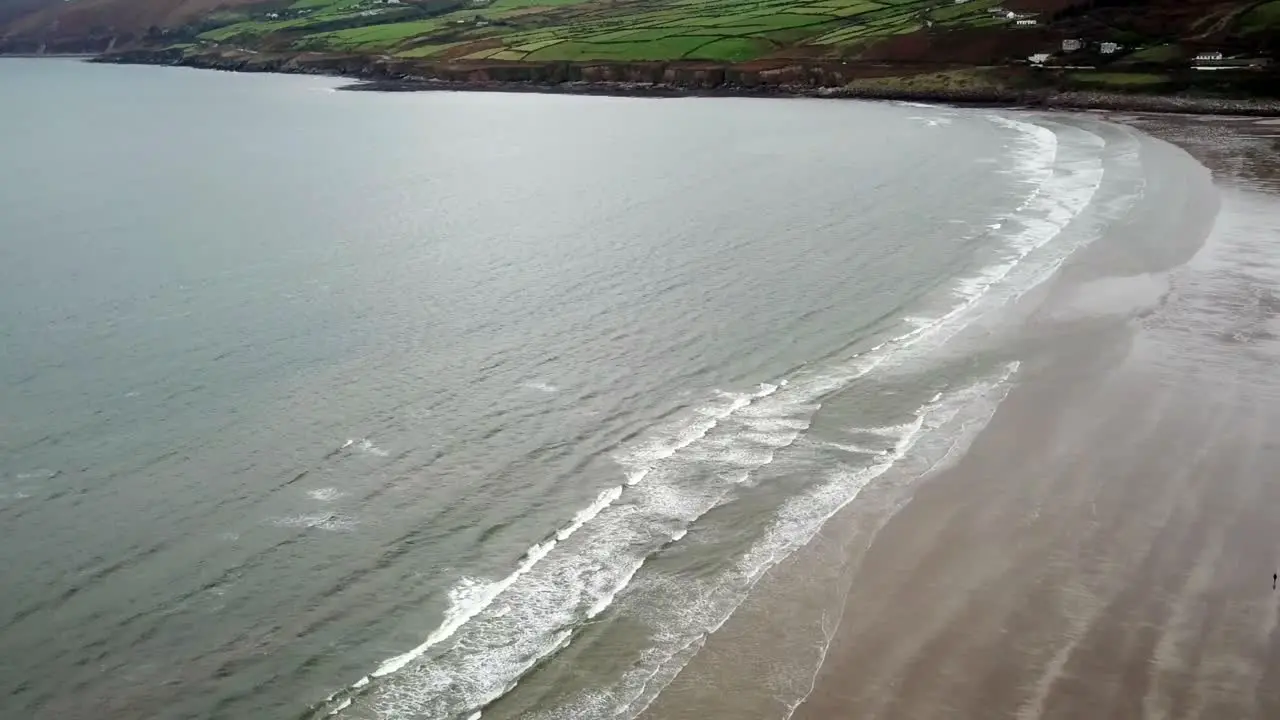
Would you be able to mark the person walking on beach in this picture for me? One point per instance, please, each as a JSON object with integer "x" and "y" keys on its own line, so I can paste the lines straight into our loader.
{"x": 1274, "y": 576}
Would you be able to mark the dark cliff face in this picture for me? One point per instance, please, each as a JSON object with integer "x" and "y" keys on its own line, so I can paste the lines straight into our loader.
{"x": 644, "y": 77}
{"x": 681, "y": 75}
{"x": 1195, "y": 92}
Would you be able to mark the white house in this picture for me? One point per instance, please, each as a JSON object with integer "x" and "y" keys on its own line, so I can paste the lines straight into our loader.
{"x": 1039, "y": 58}
{"x": 1109, "y": 48}
{"x": 1071, "y": 45}
{"x": 1026, "y": 22}
{"x": 1209, "y": 57}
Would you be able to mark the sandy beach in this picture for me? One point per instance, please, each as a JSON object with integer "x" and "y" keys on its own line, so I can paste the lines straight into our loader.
{"x": 1105, "y": 548}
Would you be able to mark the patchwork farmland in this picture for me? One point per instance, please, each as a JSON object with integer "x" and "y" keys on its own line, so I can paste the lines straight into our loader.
{"x": 722, "y": 31}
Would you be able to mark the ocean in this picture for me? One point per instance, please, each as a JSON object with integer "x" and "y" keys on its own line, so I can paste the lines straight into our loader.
{"x": 426, "y": 405}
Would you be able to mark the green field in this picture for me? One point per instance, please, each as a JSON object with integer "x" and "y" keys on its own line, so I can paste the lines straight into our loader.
{"x": 1262, "y": 18}
{"x": 372, "y": 37}
{"x": 1157, "y": 54}
{"x": 584, "y": 30}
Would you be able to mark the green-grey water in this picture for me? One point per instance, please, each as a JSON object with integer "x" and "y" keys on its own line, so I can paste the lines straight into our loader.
{"x": 409, "y": 405}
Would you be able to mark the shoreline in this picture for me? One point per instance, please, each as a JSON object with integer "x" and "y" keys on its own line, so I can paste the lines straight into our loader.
{"x": 1031, "y": 100}
{"x": 1100, "y": 547}
{"x": 1116, "y": 575}
{"x": 50, "y": 56}
{"x": 378, "y": 76}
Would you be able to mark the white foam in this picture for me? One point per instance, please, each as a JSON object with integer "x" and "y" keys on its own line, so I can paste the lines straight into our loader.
{"x": 858, "y": 449}
{"x": 364, "y": 445}
{"x": 466, "y": 600}
{"x": 984, "y": 398}
{"x": 892, "y": 431}
{"x": 1055, "y": 200}
{"x": 541, "y": 386}
{"x": 578, "y": 572}
{"x": 326, "y": 494}
{"x": 702, "y": 606}
{"x": 604, "y": 500}
{"x": 931, "y": 121}
{"x": 471, "y": 596}
{"x": 638, "y": 460}
{"x": 558, "y": 586}
{"x": 333, "y": 522}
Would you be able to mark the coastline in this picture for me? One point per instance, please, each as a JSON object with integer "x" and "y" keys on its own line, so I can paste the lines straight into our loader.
{"x": 50, "y": 56}
{"x": 671, "y": 80}
{"x": 1104, "y": 547}
{"x": 1029, "y": 100}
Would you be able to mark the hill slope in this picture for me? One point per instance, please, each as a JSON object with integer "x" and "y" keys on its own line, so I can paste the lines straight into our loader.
{"x": 495, "y": 34}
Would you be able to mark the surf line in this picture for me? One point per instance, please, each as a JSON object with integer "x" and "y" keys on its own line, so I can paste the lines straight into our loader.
{"x": 469, "y": 598}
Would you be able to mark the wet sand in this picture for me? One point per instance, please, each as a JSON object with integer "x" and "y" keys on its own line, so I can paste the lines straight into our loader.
{"x": 1105, "y": 548}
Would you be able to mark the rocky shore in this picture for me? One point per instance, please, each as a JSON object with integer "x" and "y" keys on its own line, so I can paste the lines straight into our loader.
{"x": 385, "y": 74}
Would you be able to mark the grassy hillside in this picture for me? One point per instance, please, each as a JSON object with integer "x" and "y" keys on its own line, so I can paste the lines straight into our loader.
{"x": 561, "y": 30}
{"x": 711, "y": 31}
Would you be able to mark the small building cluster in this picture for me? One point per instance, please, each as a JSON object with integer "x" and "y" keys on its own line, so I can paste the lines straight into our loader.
{"x": 1073, "y": 45}
{"x": 1214, "y": 60}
